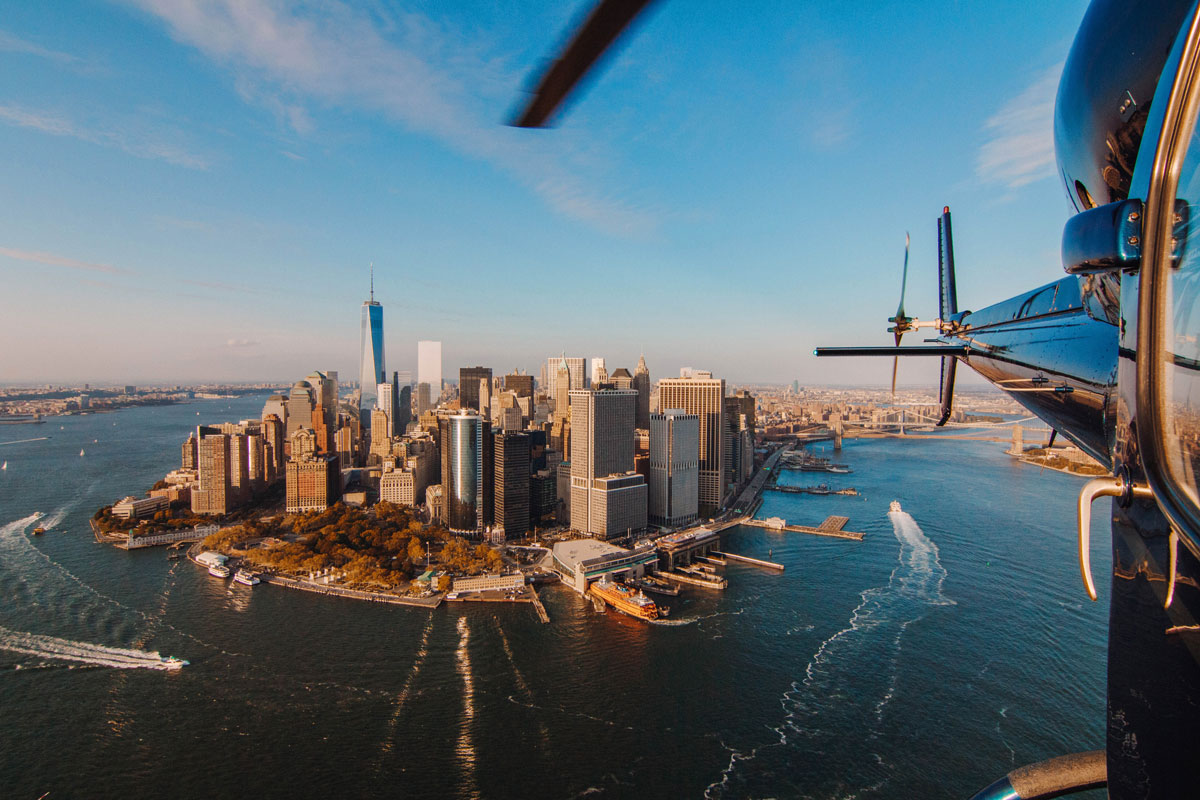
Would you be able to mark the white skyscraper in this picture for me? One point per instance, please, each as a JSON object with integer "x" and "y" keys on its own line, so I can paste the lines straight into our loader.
{"x": 429, "y": 366}
{"x": 599, "y": 372}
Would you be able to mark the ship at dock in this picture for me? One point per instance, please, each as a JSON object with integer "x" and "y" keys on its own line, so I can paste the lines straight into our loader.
{"x": 806, "y": 462}
{"x": 624, "y": 599}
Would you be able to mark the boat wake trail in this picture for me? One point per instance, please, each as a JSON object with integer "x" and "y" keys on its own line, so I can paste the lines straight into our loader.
{"x": 405, "y": 692}
{"x": 32, "y": 644}
{"x": 28, "y": 585}
{"x": 833, "y": 714}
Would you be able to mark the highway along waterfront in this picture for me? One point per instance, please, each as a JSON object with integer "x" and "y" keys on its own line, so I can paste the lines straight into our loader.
{"x": 952, "y": 643}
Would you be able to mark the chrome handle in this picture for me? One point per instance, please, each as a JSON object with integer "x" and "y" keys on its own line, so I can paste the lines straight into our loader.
{"x": 1100, "y": 487}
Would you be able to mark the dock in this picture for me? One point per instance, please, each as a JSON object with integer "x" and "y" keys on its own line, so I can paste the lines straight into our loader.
{"x": 537, "y": 605}
{"x": 695, "y": 580}
{"x": 817, "y": 490}
{"x": 754, "y": 561}
{"x": 832, "y": 526}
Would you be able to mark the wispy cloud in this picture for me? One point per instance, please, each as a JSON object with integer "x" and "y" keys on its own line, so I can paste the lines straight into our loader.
{"x": 407, "y": 69}
{"x": 13, "y": 44}
{"x": 133, "y": 142}
{"x": 1020, "y": 145}
{"x": 54, "y": 260}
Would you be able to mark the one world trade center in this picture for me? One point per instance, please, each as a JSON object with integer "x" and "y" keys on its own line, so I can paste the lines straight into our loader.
{"x": 371, "y": 371}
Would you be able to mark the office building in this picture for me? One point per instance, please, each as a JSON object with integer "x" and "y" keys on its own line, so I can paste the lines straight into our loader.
{"x": 641, "y": 382}
{"x": 429, "y": 367}
{"x": 212, "y": 494}
{"x": 468, "y": 387}
{"x": 463, "y": 486}
{"x": 188, "y": 453}
{"x": 371, "y": 371}
{"x": 621, "y": 379}
{"x": 576, "y": 370}
{"x": 273, "y": 439}
{"x": 313, "y": 483}
{"x": 386, "y": 404}
{"x": 300, "y": 406}
{"x": 674, "y": 468}
{"x": 512, "y": 484}
{"x": 608, "y": 498}
{"x": 381, "y": 441}
{"x": 599, "y": 372}
{"x": 698, "y": 392}
{"x": 401, "y": 402}
{"x": 520, "y": 383}
{"x": 276, "y": 404}
{"x": 398, "y": 486}
{"x": 562, "y": 388}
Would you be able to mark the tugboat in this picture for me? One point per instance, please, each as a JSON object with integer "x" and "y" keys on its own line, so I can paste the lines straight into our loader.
{"x": 39, "y": 530}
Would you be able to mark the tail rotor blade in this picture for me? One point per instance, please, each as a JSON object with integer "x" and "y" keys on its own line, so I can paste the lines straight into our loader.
{"x": 903, "y": 281}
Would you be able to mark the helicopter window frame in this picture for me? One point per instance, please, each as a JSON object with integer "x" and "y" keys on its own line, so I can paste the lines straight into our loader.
{"x": 1166, "y": 471}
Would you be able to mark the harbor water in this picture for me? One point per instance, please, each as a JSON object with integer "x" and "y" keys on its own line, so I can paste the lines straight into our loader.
{"x": 950, "y": 645}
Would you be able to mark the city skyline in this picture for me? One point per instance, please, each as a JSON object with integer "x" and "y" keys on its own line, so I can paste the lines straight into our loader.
{"x": 241, "y": 171}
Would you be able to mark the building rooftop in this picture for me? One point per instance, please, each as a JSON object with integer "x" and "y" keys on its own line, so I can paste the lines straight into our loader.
{"x": 582, "y": 549}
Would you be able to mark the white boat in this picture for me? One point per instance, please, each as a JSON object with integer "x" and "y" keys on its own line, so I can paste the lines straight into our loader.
{"x": 173, "y": 664}
{"x": 81, "y": 451}
{"x": 5, "y": 465}
{"x": 219, "y": 571}
{"x": 246, "y": 577}
{"x": 895, "y": 506}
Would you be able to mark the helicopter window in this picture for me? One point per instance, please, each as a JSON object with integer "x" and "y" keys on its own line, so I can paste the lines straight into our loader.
{"x": 1182, "y": 417}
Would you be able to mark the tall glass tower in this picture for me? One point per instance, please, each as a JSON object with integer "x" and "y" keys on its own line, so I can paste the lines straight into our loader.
{"x": 371, "y": 371}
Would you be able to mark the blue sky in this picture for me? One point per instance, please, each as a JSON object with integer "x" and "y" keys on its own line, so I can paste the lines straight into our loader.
{"x": 194, "y": 190}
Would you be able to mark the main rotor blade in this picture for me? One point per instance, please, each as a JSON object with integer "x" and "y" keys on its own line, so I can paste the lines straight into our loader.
{"x": 604, "y": 25}
{"x": 961, "y": 351}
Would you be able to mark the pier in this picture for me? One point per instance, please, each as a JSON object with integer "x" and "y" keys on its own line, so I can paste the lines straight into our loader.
{"x": 821, "y": 489}
{"x": 832, "y": 526}
{"x": 708, "y": 582}
{"x": 537, "y": 605}
{"x": 753, "y": 561}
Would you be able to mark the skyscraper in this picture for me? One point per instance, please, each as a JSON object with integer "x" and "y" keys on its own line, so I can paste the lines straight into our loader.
{"x": 401, "y": 402}
{"x": 371, "y": 369}
{"x": 699, "y": 393}
{"x": 462, "y": 471}
{"x": 299, "y": 407}
{"x": 468, "y": 386}
{"x": 599, "y": 373}
{"x": 520, "y": 383}
{"x": 512, "y": 483}
{"x": 608, "y": 498}
{"x": 674, "y": 467}
{"x": 429, "y": 367}
{"x": 641, "y": 382}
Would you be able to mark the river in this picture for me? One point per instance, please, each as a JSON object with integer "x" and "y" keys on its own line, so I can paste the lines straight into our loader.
{"x": 952, "y": 644}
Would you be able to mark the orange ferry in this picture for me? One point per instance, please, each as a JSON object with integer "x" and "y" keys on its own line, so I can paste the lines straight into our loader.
{"x": 624, "y": 599}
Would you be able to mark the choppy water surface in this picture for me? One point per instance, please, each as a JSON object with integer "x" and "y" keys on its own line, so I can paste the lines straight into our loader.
{"x": 951, "y": 644}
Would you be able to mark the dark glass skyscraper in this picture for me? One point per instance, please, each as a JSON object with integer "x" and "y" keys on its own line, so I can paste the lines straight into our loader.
{"x": 371, "y": 370}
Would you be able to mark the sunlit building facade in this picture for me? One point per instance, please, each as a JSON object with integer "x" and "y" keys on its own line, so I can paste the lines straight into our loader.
{"x": 462, "y": 472}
